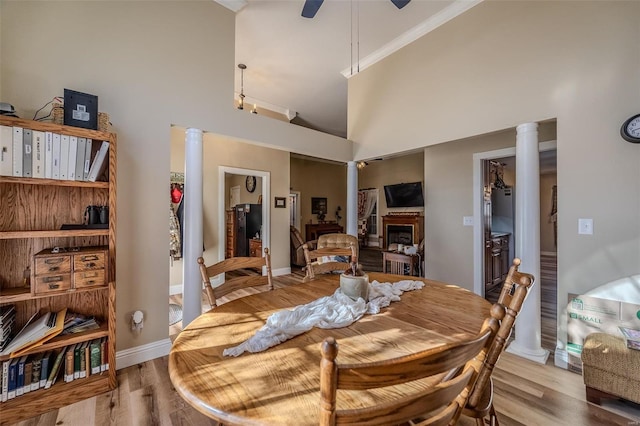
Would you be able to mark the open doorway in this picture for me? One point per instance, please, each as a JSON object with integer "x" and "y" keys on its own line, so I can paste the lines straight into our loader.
{"x": 494, "y": 238}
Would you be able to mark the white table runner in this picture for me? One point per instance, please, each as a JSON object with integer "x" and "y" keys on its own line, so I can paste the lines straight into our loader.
{"x": 333, "y": 311}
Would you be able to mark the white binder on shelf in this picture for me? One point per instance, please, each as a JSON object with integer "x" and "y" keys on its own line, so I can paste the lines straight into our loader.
{"x": 6, "y": 151}
{"x": 87, "y": 159}
{"x": 73, "y": 151}
{"x": 37, "y": 157}
{"x": 48, "y": 155}
{"x": 17, "y": 151}
{"x": 99, "y": 162}
{"x": 64, "y": 157}
{"x": 82, "y": 143}
{"x": 27, "y": 153}
{"x": 55, "y": 157}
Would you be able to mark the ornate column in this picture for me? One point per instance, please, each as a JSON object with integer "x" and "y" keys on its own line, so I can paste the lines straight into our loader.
{"x": 192, "y": 243}
{"x": 352, "y": 198}
{"x": 527, "y": 240}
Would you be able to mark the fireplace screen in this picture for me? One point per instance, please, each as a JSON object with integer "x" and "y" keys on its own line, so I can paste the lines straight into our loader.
{"x": 399, "y": 234}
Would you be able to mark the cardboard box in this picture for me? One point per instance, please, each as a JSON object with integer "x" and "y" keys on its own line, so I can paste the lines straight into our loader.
{"x": 588, "y": 314}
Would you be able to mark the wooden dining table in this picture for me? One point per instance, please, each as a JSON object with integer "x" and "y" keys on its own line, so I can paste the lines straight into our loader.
{"x": 280, "y": 386}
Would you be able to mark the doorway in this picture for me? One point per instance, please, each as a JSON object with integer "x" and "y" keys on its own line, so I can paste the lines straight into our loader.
{"x": 224, "y": 177}
{"x": 494, "y": 178}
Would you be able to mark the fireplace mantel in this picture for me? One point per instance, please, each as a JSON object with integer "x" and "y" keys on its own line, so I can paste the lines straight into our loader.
{"x": 416, "y": 221}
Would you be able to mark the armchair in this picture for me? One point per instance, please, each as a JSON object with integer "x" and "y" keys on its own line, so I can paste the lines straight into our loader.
{"x": 297, "y": 252}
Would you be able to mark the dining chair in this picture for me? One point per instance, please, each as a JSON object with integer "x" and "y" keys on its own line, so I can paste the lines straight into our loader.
{"x": 437, "y": 403}
{"x": 234, "y": 283}
{"x": 322, "y": 259}
{"x": 512, "y": 296}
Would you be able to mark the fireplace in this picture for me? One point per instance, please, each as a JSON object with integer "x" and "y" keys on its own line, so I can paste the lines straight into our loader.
{"x": 400, "y": 234}
{"x": 403, "y": 228}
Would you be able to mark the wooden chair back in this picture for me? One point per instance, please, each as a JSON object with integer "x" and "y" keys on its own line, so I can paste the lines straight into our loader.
{"x": 512, "y": 296}
{"x": 442, "y": 402}
{"x": 237, "y": 282}
{"x": 330, "y": 245}
{"x": 398, "y": 263}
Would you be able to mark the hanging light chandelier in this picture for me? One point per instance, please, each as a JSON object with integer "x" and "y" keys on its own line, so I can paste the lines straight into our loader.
{"x": 241, "y": 97}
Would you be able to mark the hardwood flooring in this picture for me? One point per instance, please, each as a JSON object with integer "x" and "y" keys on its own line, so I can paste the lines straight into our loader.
{"x": 526, "y": 393}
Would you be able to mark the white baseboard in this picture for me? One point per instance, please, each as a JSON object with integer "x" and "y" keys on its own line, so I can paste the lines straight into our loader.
{"x": 280, "y": 271}
{"x": 132, "y": 356}
{"x": 561, "y": 358}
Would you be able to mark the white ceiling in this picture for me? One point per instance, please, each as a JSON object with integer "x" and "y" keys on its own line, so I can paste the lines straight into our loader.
{"x": 295, "y": 64}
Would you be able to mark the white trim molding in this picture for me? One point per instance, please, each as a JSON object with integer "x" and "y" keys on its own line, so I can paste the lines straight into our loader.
{"x": 233, "y": 5}
{"x": 456, "y": 8}
{"x": 132, "y": 356}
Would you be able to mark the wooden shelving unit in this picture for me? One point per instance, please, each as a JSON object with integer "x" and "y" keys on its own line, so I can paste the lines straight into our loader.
{"x": 31, "y": 216}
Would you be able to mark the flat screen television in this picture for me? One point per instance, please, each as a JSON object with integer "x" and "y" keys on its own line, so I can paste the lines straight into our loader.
{"x": 404, "y": 195}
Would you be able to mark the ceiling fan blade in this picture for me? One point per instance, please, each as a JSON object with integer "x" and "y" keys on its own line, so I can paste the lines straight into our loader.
{"x": 400, "y": 3}
{"x": 311, "y": 7}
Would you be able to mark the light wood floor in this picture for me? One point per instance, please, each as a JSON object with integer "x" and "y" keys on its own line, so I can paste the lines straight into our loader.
{"x": 526, "y": 393}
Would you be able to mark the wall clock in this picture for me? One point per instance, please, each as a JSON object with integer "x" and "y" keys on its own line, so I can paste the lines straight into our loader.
{"x": 251, "y": 183}
{"x": 630, "y": 130}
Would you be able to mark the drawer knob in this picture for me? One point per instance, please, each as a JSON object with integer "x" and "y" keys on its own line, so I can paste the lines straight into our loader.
{"x": 52, "y": 279}
{"x": 86, "y": 258}
{"x": 53, "y": 261}
{"x": 90, "y": 264}
{"x": 54, "y": 268}
{"x": 54, "y": 286}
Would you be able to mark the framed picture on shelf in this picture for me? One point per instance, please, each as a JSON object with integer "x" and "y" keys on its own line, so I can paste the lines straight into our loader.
{"x": 281, "y": 202}
{"x": 318, "y": 205}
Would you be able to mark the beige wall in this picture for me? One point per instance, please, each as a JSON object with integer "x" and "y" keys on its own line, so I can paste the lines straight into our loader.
{"x": 246, "y": 197}
{"x": 319, "y": 179}
{"x": 577, "y": 62}
{"x": 152, "y": 64}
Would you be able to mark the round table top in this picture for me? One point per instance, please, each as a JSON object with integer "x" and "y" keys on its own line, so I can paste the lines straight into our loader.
{"x": 281, "y": 385}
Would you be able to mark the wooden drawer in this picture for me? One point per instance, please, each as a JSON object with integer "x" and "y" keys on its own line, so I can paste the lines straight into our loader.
{"x": 52, "y": 265}
{"x": 52, "y": 283}
{"x": 88, "y": 261}
{"x": 89, "y": 278}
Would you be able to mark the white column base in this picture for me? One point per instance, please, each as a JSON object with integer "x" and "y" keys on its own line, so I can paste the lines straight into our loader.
{"x": 538, "y": 355}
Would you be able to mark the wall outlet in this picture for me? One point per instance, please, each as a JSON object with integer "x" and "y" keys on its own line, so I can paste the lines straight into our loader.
{"x": 585, "y": 226}
{"x": 467, "y": 221}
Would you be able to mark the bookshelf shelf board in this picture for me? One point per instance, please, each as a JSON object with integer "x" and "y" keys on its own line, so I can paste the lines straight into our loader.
{"x": 56, "y": 128}
{"x": 53, "y": 182}
{"x": 19, "y": 294}
{"x": 58, "y": 395}
{"x": 13, "y": 235}
{"x": 67, "y": 339}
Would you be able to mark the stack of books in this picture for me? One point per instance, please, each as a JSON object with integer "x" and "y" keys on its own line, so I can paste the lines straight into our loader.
{"x": 49, "y": 155}
{"x": 7, "y": 321}
{"x": 632, "y": 337}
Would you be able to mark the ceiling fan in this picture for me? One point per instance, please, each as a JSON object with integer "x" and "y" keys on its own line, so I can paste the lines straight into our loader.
{"x": 311, "y": 6}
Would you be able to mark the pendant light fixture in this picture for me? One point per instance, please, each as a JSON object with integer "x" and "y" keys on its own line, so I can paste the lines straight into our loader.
{"x": 241, "y": 100}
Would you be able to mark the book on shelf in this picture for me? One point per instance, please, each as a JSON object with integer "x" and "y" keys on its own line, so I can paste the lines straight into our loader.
{"x": 69, "y": 363}
{"x": 55, "y": 368}
{"x": 55, "y": 157}
{"x": 13, "y": 378}
{"x": 17, "y": 151}
{"x": 37, "y": 157}
{"x": 28, "y": 372}
{"x": 64, "y": 157}
{"x": 36, "y": 332}
{"x": 27, "y": 153}
{"x": 95, "y": 356}
{"x": 632, "y": 337}
{"x": 20, "y": 376}
{"x": 99, "y": 162}
{"x": 104, "y": 356}
{"x": 35, "y": 372}
{"x": 5, "y": 380}
{"x": 45, "y": 367}
{"x": 6, "y": 151}
{"x": 48, "y": 155}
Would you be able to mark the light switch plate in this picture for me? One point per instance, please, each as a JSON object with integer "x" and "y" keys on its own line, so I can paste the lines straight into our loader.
{"x": 585, "y": 226}
{"x": 467, "y": 220}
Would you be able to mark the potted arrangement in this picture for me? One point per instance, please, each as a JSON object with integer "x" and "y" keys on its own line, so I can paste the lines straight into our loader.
{"x": 354, "y": 282}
